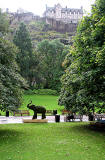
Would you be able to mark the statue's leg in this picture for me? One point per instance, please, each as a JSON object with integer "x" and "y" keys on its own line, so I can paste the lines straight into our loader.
{"x": 35, "y": 115}
{"x": 43, "y": 115}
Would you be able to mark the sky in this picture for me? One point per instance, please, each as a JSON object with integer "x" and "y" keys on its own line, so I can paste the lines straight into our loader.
{"x": 39, "y": 6}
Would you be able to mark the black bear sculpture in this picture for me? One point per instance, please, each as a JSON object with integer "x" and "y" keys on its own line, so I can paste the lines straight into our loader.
{"x": 37, "y": 109}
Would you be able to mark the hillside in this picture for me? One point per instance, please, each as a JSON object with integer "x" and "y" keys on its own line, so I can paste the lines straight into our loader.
{"x": 40, "y": 28}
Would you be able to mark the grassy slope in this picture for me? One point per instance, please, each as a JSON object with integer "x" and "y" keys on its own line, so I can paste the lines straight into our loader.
{"x": 56, "y": 141}
{"x": 50, "y": 102}
{"x": 38, "y": 31}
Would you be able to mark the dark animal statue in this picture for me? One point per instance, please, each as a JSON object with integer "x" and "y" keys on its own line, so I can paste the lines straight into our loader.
{"x": 37, "y": 109}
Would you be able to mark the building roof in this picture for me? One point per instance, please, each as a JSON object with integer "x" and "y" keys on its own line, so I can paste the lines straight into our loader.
{"x": 63, "y": 10}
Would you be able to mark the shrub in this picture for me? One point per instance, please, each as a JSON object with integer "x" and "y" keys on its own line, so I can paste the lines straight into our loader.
{"x": 46, "y": 92}
{"x": 29, "y": 92}
{"x": 42, "y": 92}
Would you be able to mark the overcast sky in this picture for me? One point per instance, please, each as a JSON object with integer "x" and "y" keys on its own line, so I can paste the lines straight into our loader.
{"x": 39, "y": 6}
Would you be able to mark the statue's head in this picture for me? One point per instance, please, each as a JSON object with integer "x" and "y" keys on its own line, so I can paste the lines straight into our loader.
{"x": 28, "y": 105}
{"x": 31, "y": 106}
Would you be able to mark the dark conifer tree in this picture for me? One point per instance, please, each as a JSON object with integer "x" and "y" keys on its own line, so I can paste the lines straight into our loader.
{"x": 23, "y": 42}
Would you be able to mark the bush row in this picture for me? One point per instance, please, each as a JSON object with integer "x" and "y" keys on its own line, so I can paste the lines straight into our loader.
{"x": 41, "y": 92}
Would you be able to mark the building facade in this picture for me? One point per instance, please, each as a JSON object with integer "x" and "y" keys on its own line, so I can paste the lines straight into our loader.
{"x": 68, "y": 15}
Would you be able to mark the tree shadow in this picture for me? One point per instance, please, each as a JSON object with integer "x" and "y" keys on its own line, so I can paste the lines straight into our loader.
{"x": 9, "y": 135}
{"x": 88, "y": 128}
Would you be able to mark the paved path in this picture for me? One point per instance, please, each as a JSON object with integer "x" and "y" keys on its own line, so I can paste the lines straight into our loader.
{"x": 12, "y": 119}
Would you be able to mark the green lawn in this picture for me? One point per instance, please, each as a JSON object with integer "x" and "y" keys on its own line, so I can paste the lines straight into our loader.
{"x": 50, "y": 102}
{"x": 51, "y": 141}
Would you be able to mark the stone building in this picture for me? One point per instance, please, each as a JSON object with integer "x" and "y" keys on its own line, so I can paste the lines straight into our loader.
{"x": 68, "y": 15}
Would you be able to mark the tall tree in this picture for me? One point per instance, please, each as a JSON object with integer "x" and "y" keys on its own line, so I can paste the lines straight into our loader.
{"x": 51, "y": 55}
{"x": 83, "y": 84}
{"x": 10, "y": 80}
{"x": 3, "y": 23}
{"x": 25, "y": 57}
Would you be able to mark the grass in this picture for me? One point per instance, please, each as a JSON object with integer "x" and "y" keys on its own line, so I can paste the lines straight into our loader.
{"x": 51, "y": 141}
{"x": 50, "y": 102}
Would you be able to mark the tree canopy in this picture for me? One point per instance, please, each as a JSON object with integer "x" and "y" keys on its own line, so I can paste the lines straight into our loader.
{"x": 25, "y": 57}
{"x": 51, "y": 55}
{"x": 10, "y": 80}
{"x": 3, "y": 23}
{"x": 83, "y": 84}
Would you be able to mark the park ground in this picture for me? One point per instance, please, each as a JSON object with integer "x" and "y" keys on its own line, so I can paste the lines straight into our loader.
{"x": 51, "y": 141}
{"x": 50, "y": 102}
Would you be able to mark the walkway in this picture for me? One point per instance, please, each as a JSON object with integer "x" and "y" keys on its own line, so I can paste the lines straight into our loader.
{"x": 12, "y": 119}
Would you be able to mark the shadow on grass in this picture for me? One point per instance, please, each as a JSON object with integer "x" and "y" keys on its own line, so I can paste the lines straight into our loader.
{"x": 9, "y": 135}
{"x": 88, "y": 128}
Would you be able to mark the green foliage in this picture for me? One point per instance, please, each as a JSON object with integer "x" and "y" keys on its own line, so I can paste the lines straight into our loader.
{"x": 83, "y": 84}
{"x": 33, "y": 65}
{"x": 39, "y": 26}
{"x": 29, "y": 92}
{"x": 46, "y": 92}
{"x": 3, "y": 23}
{"x": 10, "y": 80}
{"x": 25, "y": 58}
{"x": 10, "y": 94}
{"x": 51, "y": 55}
{"x": 41, "y": 92}
{"x": 38, "y": 30}
{"x": 22, "y": 40}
